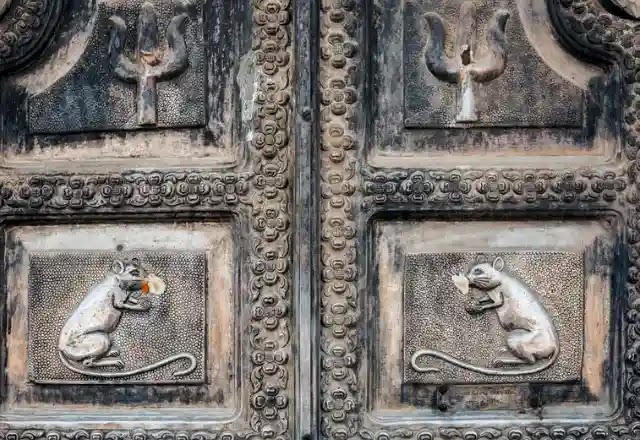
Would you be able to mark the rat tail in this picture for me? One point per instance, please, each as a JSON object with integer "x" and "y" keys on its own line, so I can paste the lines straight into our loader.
{"x": 476, "y": 368}
{"x": 145, "y": 369}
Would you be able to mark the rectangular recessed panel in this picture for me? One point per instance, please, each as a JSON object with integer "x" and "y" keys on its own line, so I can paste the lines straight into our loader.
{"x": 505, "y": 315}
{"x": 509, "y": 99}
{"x": 542, "y": 309}
{"x": 72, "y": 310}
{"x": 103, "y": 315}
{"x": 462, "y": 83}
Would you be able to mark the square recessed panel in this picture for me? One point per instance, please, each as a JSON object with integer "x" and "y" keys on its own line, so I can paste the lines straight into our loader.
{"x": 541, "y": 108}
{"x": 435, "y": 316}
{"x": 547, "y": 288}
{"x": 103, "y": 315}
{"x": 173, "y": 326}
{"x": 93, "y": 105}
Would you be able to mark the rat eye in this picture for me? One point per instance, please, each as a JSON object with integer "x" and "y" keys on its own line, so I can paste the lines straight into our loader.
{"x": 477, "y": 271}
{"x": 135, "y": 273}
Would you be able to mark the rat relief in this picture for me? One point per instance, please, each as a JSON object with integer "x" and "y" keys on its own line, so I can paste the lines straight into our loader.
{"x": 531, "y": 339}
{"x": 85, "y": 344}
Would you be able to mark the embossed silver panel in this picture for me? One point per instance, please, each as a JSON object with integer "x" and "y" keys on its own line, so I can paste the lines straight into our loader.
{"x": 481, "y": 84}
{"x": 534, "y": 295}
{"x": 177, "y": 324}
{"x": 504, "y": 98}
{"x": 173, "y": 100}
{"x": 174, "y": 323}
{"x": 161, "y": 131}
{"x": 436, "y": 316}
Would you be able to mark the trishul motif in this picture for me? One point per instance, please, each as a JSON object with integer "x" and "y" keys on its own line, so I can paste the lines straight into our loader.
{"x": 466, "y": 68}
{"x": 151, "y": 63}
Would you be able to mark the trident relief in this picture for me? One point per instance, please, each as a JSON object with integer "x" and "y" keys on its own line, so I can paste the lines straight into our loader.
{"x": 85, "y": 342}
{"x": 531, "y": 341}
{"x": 466, "y": 68}
{"x": 150, "y": 64}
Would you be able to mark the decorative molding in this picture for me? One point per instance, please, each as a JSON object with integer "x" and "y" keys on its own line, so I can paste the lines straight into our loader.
{"x": 476, "y": 187}
{"x": 569, "y": 432}
{"x": 270, "y": 287}
{"x": 585, "y": 25}
{"x": 340, "y": 61}
{"x": 120, "y": 434}
{"x": 25, "y": 27}
{"x": 59, "y": 193}
{"x": 588, "y": 28}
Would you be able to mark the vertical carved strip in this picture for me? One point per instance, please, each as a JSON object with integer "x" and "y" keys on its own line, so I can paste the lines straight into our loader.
{"x": 270, "y": 292}
{"x": 339, "y": 64}
{"x": 631, "y": 77}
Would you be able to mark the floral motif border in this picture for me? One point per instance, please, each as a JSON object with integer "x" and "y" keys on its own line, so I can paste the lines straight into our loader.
{"x": 135, "y": 434}
{"x": 340, "y": 60}
{"x": 77, "y": 193}
{"x": 587, "y": 26}
{"x": 262, "y": 193}
{"x": 596, "y": 432}
{"x": 270, "y": 286}
{"x": 476, "y": 187}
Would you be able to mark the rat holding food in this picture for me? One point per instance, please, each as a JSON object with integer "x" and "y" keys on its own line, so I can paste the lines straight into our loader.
{"x": 531, "y": 335}
{"x": 85, "y": 340}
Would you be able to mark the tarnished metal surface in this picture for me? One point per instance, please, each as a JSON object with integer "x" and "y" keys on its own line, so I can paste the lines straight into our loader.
{"x": 303, "y": 189}
{"x": 542, "y": 294}
{"x": 65, "y": 313}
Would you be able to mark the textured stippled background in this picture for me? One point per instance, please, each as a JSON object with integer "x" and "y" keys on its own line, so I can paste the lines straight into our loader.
{"x": 435, "y": 316}
{"x": 174, "y": 324}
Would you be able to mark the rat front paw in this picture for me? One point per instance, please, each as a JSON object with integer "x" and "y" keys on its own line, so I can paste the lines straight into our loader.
{"x": 473, "y": 308}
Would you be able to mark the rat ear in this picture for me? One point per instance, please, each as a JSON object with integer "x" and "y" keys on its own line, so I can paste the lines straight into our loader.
{"x": 498, "y": 264}
{"x": 117, "y": 267}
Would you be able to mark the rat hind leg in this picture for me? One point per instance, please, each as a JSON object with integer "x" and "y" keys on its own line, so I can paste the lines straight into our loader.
{"x": 90, "y": 346}
{"x": 531, "y": 346}
{"x": 518, "y": 350}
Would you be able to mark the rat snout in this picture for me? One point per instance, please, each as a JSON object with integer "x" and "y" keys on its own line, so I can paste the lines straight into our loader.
{"x": 136, "y": 284}
{"x": 471, "y": 278}
{"x": 483, "y": 282}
